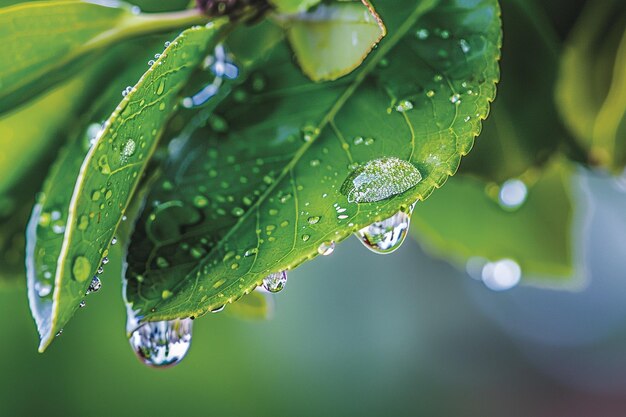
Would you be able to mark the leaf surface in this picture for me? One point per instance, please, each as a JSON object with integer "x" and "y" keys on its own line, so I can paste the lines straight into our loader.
{"x": 262, "y": 192}
{"x": 84, "y": 201}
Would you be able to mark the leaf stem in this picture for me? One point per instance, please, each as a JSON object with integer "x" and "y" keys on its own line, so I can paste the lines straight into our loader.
{"x": 145, "y": 24}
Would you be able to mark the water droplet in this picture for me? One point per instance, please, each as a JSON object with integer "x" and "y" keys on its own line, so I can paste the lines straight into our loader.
{"x": 513, "y": 194}
{"x": 379, "y": 179}
{"x": 105, "y": 260}
{"x": 161, "y": 262}
{"x": 314, "y": 219}
{"x": 82, "y": 304}
{"x": 305, "y": 237}
{"x": 455, "y": 99}
{"x": 430, "y": 94}
{"x": 404, "y": 105}
{"x": 95, "y": 285}
{"x": 43, "y": 289}
{"x": 162, "y": 343}
{"x": 501, "y": 275}
{"x": 326, "y": 248}
{"x": 81, "y": 269}
{"x": 114, "y": 240}
{"x": 444, "y": 34}
{"x": 165, "y": 294}
{"x": 237, "y": 211}
{"x": 464, "y": 45}
{"x": 422, "y": 34}
{"x": 218, "y": 309}
{"x": 387, "y": 235}
{"x": 275, "y": 282}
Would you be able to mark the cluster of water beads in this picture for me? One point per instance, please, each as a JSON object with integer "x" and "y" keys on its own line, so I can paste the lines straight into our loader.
{"x": 222, "y": 68}
{"x": 162, "y": 343}
{"x": 387, "y": 235}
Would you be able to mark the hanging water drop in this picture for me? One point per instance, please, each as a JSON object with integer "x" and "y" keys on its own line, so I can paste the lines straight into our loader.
{"x": 380, "y": 179}
{"x": 387, "y": 235}
{"x": 275, "y": 282}
{"x": 326, "y": 248}
{"x": 501, "y": 275}
{"x": 162, "y": 343}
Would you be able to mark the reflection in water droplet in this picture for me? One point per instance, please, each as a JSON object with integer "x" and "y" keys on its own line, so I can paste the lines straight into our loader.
{"x": 162, "y": 343}
{"x": 380, "y": 179}
{"x": 275, "y": 282}
{"x": 512, "y": 194}
{"x": 326, "y": 248}
{"x": 403, "y": 106}
{"x": 501, "y": 275}
{"x": 95, "y": 285}
{"x": 386, "y": 236}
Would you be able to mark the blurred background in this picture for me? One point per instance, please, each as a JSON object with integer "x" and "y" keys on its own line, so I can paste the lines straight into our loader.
{"x": 354, "y": 334}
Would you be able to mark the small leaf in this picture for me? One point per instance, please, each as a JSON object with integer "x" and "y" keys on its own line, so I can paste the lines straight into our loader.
{"x": 592, "y": 81}
{"x": 332, "y": 40}
{"x": 537, "y": 235}
{"x": 106, "y": 180}
{"x": 43, "y": 38}
{"x": 258, "y": 190}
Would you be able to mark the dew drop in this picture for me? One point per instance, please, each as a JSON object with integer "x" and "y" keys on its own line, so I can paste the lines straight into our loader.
{"x": 314, "y": 219}
{"x": 94, "y": 286}
{"x": 387, "y": 235}
{"x": 326, "y": 248}
{"x": 162, "y": 343}
{"x": 464, "y": 45}
{"x": 161, "y": 87}
{"x": 82, "y": 304}
{"x": 275, "y": 282}
{"x": 422, "y": 34}
{"x": 237, "y": 211}
{"x": 379, "y": 179}
{"x": 455, "y": 99}
{"x": 403, "y": 106}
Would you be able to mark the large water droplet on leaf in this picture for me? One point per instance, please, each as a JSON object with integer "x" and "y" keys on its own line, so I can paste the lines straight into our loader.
{"x": 386, "y": 236}
{"x": 162, "y": 343}
{"x": 380, "y": 179}
{"x": 275, "y": 282}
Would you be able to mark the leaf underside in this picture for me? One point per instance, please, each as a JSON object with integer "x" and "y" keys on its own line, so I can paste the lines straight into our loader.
{"x": 258, "y": 190}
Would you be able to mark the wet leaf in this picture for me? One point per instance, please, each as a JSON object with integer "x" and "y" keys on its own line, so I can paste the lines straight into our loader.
{"x": 44, "y": 38}
{"x": 75, "y": 224}
{"x": 592, "y": 81}
{"x": 537, "y": 235}
{"x": 259, "y": 189}
{"x": 332, "y": 40}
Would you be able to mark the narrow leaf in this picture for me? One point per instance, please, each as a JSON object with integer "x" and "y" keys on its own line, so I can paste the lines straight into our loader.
{"x": 260, "y": 191}
{"x": 107, "y": 179}
{"x": 43, "y": 38}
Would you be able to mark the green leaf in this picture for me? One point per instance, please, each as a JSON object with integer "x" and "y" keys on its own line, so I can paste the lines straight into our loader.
{"x": 537, "y": 235}
{"x": 523, "y": 130}
{"x": 43, "y": 38}
{"x": 592, "y": 81}
{"x": 334, "y": 39}
{"x": 74, "y": 225}
{"x": 259, "y": 192}
{"x": 293, "y": 6}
